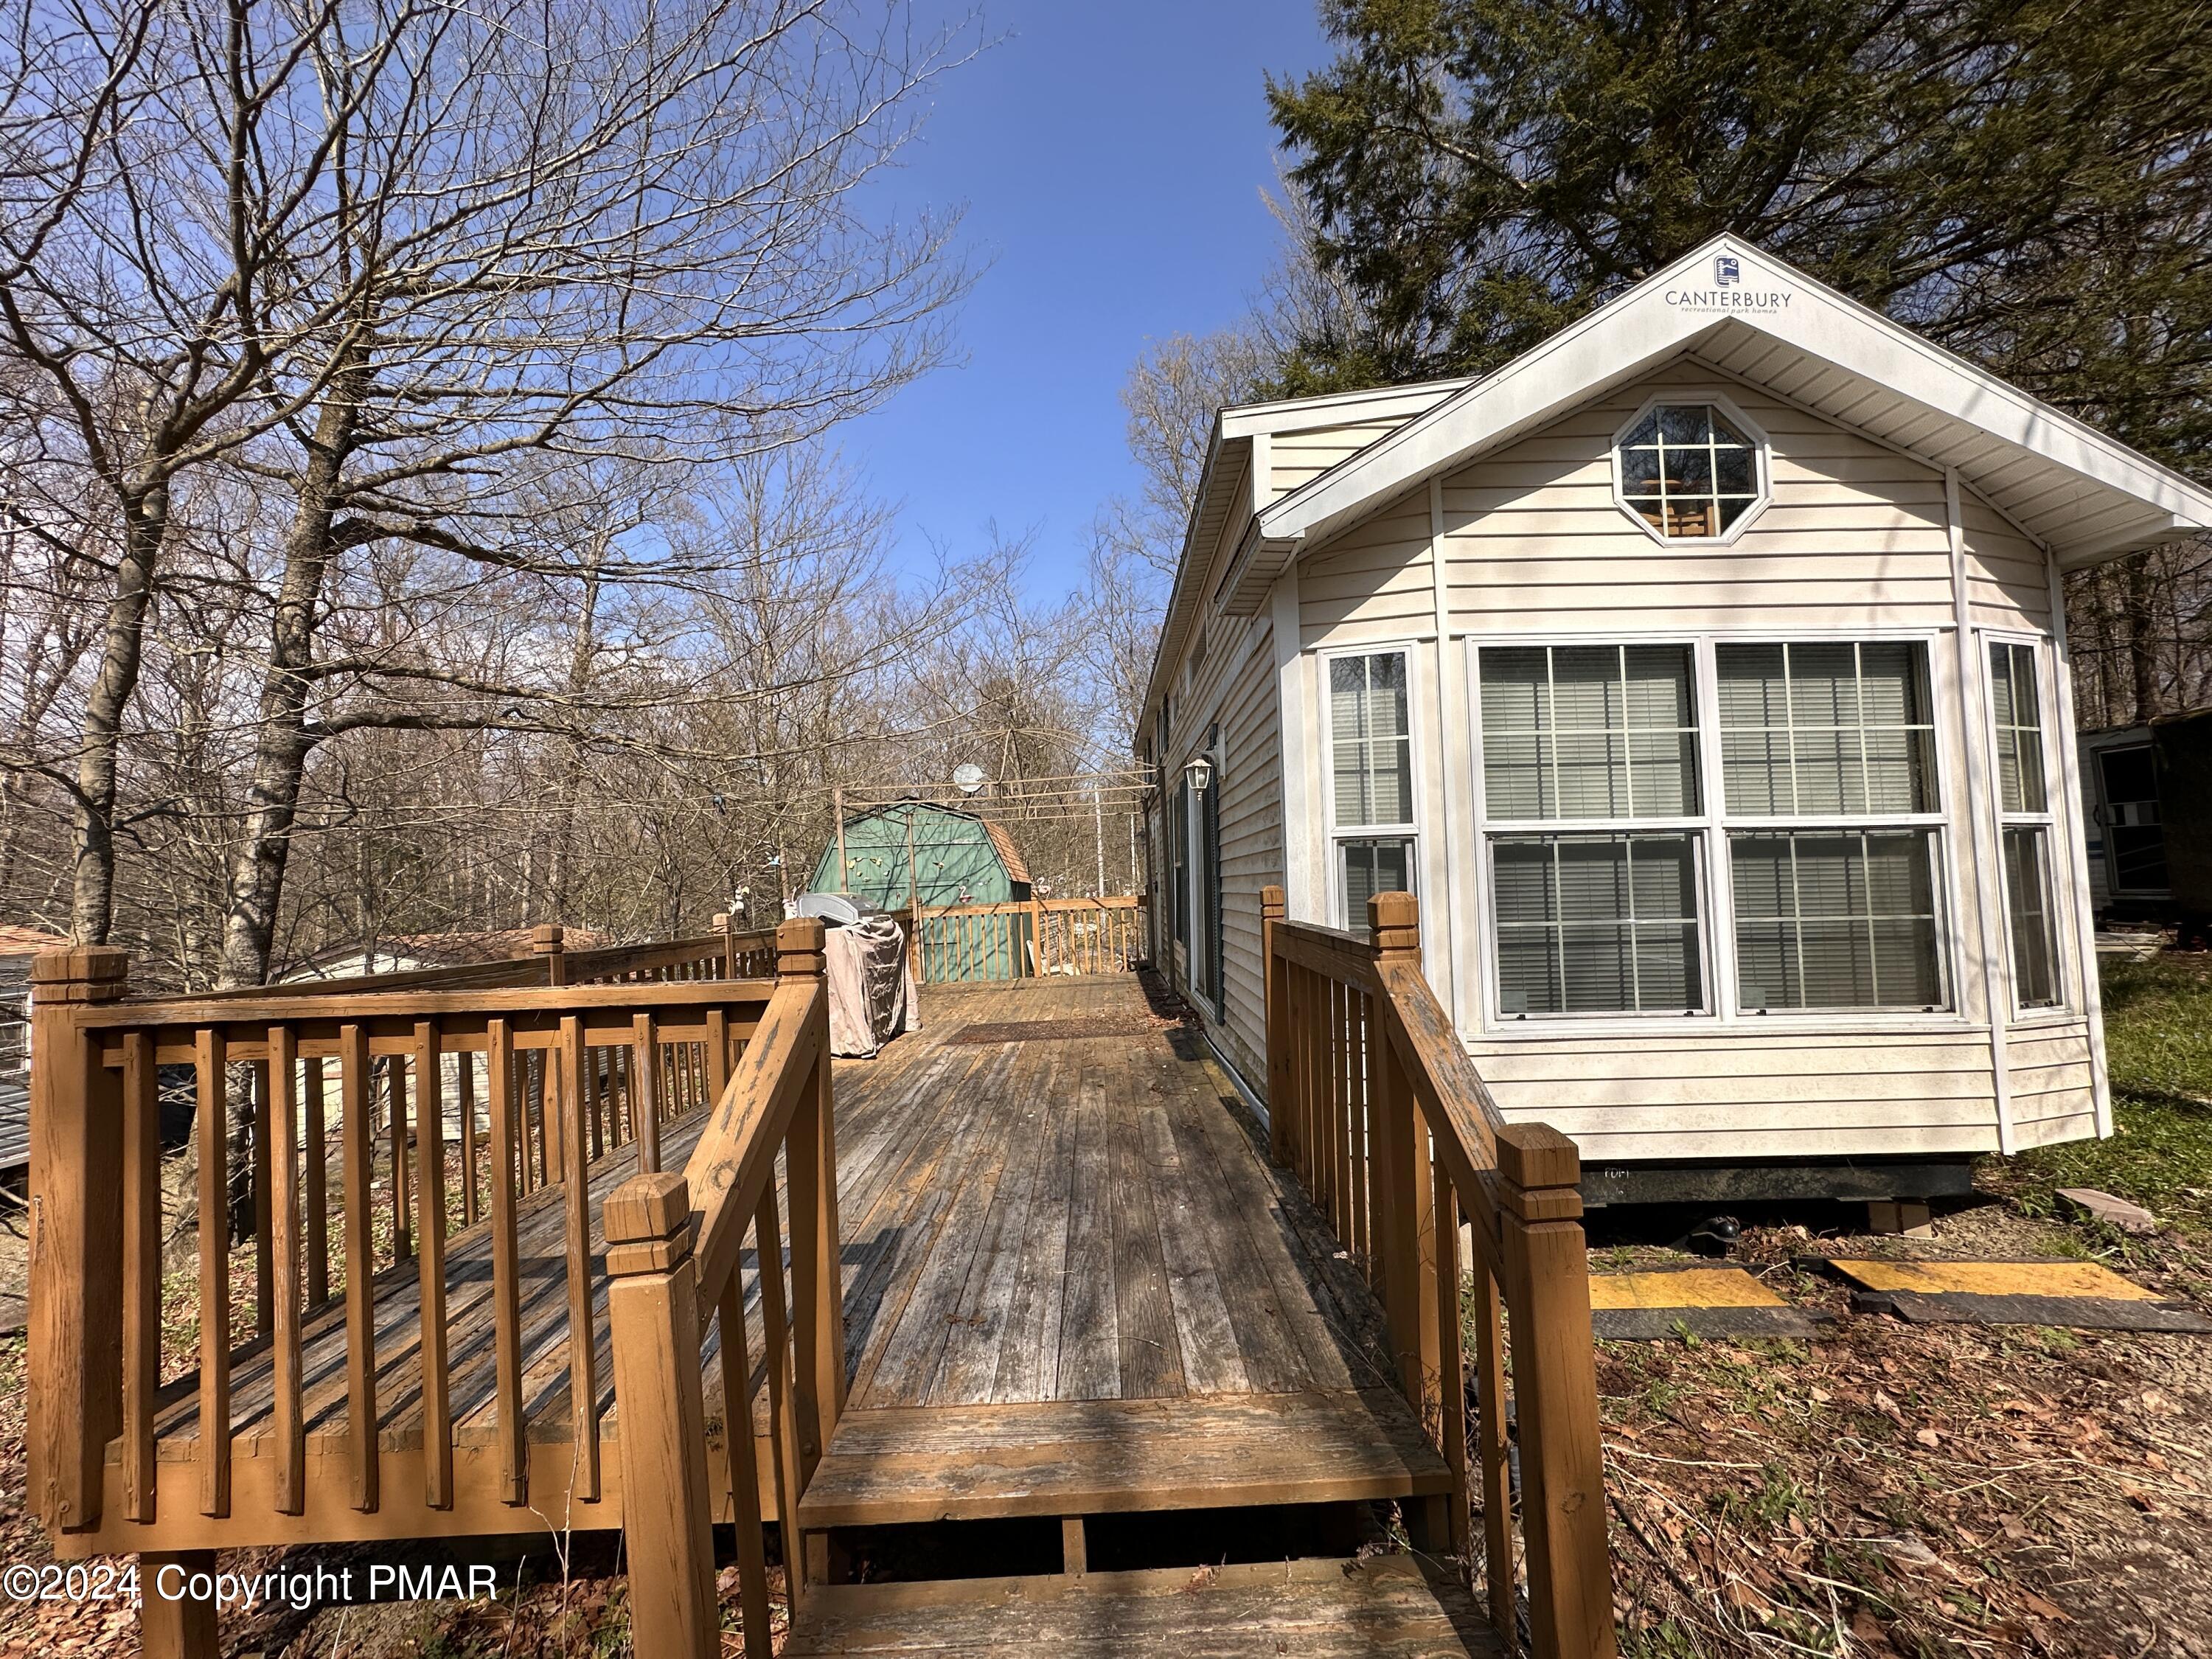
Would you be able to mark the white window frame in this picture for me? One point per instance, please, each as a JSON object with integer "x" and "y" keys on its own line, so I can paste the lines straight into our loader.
{"x": 1712, "y": 825}
{"x": 2039, "y": 650}
{"x": 1762, "y": 449}
{"x": 1489, "y": 830}
{"x": 1334, "y": 834}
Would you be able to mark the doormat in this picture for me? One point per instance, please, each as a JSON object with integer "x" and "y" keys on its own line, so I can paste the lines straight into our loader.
{"x": 1045, "y": 1031}
{"x": 1658, "y": 1303}
{"x": 2077, "y": 1295}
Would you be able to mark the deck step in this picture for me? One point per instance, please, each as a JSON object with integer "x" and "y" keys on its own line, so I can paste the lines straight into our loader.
{"x": 1062, "y": 1457}
{"x": 1385, "y": 1607}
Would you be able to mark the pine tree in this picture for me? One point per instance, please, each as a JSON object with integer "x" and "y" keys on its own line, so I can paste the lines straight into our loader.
{"x": 2027, "y": 183}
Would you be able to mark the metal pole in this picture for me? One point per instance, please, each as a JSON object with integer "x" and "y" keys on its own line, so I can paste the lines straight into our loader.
{"x": 844, "y": 878}
{"x": 1098, "y": 834}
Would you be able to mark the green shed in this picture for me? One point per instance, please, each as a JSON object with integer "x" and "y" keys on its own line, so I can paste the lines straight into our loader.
{"x": 938, "y": 856}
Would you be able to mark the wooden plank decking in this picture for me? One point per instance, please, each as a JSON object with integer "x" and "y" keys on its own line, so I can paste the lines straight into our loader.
{"x": 1072, "y": 1284}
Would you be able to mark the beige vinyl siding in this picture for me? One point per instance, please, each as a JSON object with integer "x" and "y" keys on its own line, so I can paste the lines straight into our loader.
{"x": 1251, "y": 845}
{"x": 2050, "y": 1069}
{"x": 1296, "y": 457}
{"x": 1374, "y": 583}
{"x": 1534, "y": 536}
{"x": 1751, "y": 1095}
{"x": 2005, "y": 580}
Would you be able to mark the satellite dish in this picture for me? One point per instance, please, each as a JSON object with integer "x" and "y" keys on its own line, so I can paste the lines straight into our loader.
{"x": 969, "y": 778}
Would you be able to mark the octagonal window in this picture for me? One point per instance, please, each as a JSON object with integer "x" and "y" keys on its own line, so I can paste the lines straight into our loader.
{"x": 1688, "y": 470}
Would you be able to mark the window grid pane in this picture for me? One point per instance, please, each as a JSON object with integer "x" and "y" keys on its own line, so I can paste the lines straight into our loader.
{"x": 2015, "y": 711}
{"x": 1817, "y": 730}
{"x": 1686, "y": 472}
{"x": 1372, "y": 866}
{"x": 2028, "y": 914}
{"x": 1588, "y": 732}
{"x": 1371, "y": 740}
{"x": 1836, "y": 919}
{"x": 1597, "y": 923}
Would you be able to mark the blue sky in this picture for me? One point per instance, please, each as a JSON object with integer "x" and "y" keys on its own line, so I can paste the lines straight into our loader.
{"x": 1110, "y": 155}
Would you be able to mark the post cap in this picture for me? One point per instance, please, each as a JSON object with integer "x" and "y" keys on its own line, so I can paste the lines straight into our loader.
{"x": 647, "y": 1208}
{"x": 1394, "y": 924}
{"x": 1273, "y": 905}
{"x": 721, "y": 921}
{"x": 1537, "y": 1154}
{"x": 80, "y": 973}
{"x": 799, "y": 948}
{"x": 546, "y": 939}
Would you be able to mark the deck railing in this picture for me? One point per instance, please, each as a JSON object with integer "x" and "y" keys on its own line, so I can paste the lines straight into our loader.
{"x": 370, "y": 1078}
{"x": 1022, "y": 938}
{"x": 674, "y": 1248}
{"x": 1375, "y": 1105}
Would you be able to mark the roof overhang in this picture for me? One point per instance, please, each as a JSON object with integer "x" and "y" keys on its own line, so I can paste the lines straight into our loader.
{"x": 2084, "y": 496}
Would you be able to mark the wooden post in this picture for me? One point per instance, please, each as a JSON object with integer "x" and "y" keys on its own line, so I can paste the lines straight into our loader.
{"x": 172, "y": 1625}
{"x": 653, "y": 1304}
{"x": 76, "y": 1233}
{"x": 1273, "y": 910}
{"x": 817, "y": 1311}
{"x": 726, "y": 925}
{"x": 550, "y": 943}
{"x": 1546, "y": 1272}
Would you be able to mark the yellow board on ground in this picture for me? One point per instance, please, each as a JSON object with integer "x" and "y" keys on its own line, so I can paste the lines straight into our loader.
{"x": 1686, "y": 1287}
{"x": 2085, "y": 1278}
{"x": 1655, "y": 1304}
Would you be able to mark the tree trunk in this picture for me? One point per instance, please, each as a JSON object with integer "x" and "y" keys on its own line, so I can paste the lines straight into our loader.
{"x": 2142, "y": 638}
{"x": 281, "y": 750}
{"x": 92, "y": 818}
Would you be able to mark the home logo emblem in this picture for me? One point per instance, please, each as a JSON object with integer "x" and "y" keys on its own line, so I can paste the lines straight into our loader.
{"x": 1726, "y": 272}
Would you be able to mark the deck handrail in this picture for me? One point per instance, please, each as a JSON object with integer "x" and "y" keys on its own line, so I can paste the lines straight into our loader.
{"x": 675, "y": 1249}
{"x": 1375, "y": 1105}
{"x": 726, "y": 953}
{"x": 1016, "y": 939}
{"x": 543, "y": 1078}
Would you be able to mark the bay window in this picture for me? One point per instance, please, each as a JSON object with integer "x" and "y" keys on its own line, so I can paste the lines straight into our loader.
{"x": 1370, "y": 780}
{"x": 1606, "y": 854}
{"x": 2024, "y": 824}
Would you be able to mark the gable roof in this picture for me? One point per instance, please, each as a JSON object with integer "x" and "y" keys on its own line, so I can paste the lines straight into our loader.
{"x": 2084, "y": 496}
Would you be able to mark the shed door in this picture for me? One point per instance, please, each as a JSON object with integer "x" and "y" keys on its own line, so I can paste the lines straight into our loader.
{"x": 2134, "y": 845}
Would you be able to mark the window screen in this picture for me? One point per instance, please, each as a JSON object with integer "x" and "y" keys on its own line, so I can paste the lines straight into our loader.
{"x": 1814, "y": 729}
{"x": 1588, "y": 732}
{"x": 1833, "y": 918}
{"x": 2027, "y": 915}
{"x": 1596, "y": 923}
{"x": 2024, "y": 805}
{"x": 1370, "y": 737}
{"x": 1686, "y": 472}
{"x": 2016, "y": 712}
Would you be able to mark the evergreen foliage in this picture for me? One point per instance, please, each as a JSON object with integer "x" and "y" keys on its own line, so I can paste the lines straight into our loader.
{"x": 2028, "y": 182}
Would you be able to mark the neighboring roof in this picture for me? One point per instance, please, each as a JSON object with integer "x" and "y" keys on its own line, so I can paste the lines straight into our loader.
{"x": 29, "y": 941}
{"x": 2083, "y": 495}
{"x": 454, "y": 950}
{"x": 1017, "y": 867}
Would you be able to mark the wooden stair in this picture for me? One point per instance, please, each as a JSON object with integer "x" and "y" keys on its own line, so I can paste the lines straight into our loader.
{"x": 1385, "y": 1607}
{"x": 1068, "y": 1457}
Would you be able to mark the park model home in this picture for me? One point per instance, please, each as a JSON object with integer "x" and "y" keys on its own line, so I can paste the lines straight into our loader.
{"x": 1703, "y": 672}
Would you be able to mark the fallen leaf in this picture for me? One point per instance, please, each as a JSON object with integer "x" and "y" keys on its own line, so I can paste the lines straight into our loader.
{"x": 1822, "y": 1396}
{"x": 1928, "y": 1438}
{"x": 2043, "y": 1609}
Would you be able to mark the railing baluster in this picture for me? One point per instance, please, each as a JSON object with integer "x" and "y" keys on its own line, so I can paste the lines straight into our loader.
{"x": 142, "y": 1270}
{"x": 356, "y": 1096}
{"x": 395, "y": 1082}
{"x": 211, "y": 1057}
{"x": 583, "y": 1367}
{"x": 783, "y": 1423}
{"x": 430, "y": 1265}
{"x": 264, "y": 1263}
{"x": 287, "y": 1409}
{"x": 743, "y": 1460}
{"x": 645, "y": 1095}
{"x": 318, "y": 1187}
{"x": 1492, "y": 1450}
{"x": 464, "y": 1090}
{"x": 500, "y": 1100}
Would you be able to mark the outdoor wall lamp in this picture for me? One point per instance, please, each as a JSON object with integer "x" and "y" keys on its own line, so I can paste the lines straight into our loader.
{"x": 1198, "y": 773}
